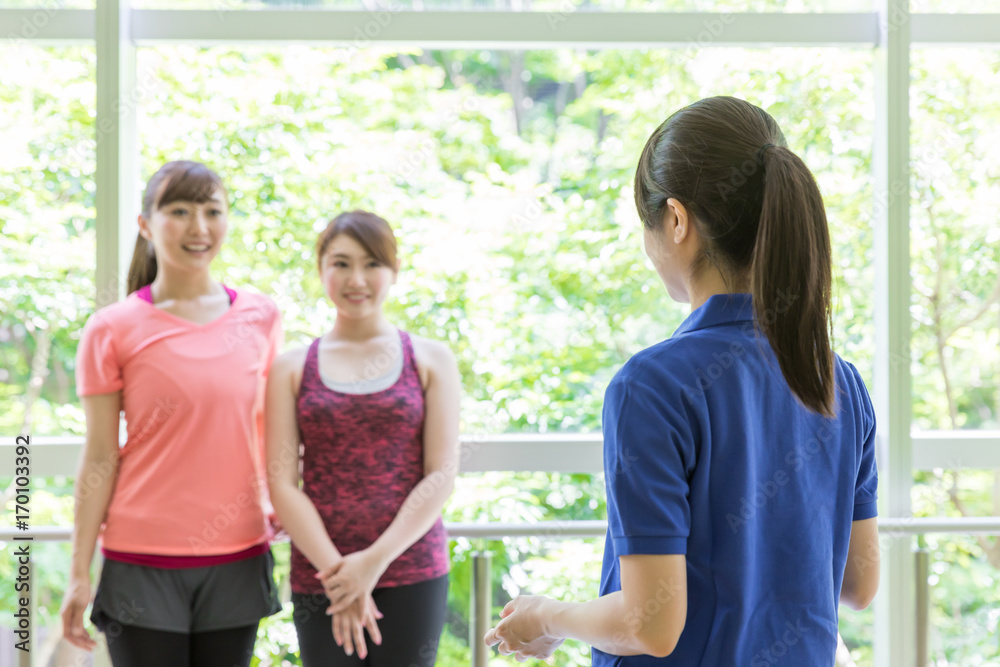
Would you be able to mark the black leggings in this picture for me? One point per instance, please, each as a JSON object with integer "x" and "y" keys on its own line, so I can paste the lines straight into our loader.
{"x": 141, "y": 647}
{"x": 411, "y": 628}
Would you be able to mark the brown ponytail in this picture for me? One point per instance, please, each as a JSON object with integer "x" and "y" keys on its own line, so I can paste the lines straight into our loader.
{"x": 759, "y": 213}
{"x": 790, "y": 278}
{"x": 181, "y": 180}
{"x": 142, "y": 270}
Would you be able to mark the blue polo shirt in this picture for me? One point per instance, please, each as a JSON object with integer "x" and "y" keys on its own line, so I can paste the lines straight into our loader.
{"x": 708, "y": 453}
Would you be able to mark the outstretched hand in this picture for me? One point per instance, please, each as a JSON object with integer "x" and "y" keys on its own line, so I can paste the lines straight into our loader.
{"x": 522, "y": 630}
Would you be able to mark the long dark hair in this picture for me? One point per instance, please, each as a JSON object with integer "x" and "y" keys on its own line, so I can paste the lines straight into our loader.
{"x": 759, "y": 212}
{"x": 185, "y": 181}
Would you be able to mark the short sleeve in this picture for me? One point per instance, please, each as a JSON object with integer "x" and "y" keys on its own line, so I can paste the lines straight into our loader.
{"x": 649, "y": 456}
{"x": 275, "y": 338}
{"x": 866, "y": 486}
{"x": 98, "y": 369}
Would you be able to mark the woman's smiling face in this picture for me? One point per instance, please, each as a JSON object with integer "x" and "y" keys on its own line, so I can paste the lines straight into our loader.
{"x": 186, "y": 235}
{"x": 355, "y": 282}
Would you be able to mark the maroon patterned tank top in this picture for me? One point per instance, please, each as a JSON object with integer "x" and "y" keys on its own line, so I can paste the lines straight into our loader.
{"x": 362, "y": 455}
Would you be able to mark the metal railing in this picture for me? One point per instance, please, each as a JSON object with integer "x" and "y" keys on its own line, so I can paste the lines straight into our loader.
{"x": 481, "y": 605}
{"x": 564, "y": 452}
{"x": 560, "y": 453}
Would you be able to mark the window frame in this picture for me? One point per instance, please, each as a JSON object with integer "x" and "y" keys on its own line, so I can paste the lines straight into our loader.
{"x": 891, "y": 28}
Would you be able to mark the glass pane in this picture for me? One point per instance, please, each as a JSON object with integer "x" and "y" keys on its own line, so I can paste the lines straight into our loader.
{"x": 564, "y": 568}
{"x": 567, "y": 6}
{"x": 955, "y": 240}
{"x": 47, "y": 241}
{"x": 857, "y": 636}
{"x": 964, "y": 599}
{"x": 969, "y": 492}
{"x": 508, "y": 176}
{"x": 545, "y": 565}
{"x": 963, "y": 568}
{"x": 956, "y": 286}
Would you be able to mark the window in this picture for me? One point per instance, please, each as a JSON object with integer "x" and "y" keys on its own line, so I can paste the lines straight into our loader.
{"x": 509, "y": 175}
{"x": 508, "y": 178}
{"x": 47, "y": 220}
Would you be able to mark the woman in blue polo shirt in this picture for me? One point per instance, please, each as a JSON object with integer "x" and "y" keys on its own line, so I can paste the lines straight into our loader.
{"x": 739, "y": 453}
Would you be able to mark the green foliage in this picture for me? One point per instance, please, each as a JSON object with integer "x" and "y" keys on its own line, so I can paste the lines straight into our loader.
{"x": 955, "y": 241}
{"x": 508, "y": 178}
{"x": 48, "y": 242}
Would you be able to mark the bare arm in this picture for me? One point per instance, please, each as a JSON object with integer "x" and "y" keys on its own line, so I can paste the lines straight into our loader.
{"x": 296, "y": 511}
{"x": 861, "y": 574}
{"x": 95, "y": 482}
{"x": 425, "y": 502}
{"x": 646, "y": 617}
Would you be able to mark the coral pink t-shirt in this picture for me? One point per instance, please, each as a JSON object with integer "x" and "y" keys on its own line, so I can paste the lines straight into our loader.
{"x": 191, "y": 479}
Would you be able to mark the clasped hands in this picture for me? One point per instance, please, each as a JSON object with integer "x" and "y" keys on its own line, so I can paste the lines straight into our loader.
{"x": 523, "y": 629}
{"x": 348, "y": 585}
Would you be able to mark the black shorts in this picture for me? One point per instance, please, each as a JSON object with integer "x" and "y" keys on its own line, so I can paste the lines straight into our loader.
{"x": 189, "y": 600}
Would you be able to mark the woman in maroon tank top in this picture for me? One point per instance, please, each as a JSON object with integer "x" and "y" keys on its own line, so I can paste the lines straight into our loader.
{"x": 376, "y": 414}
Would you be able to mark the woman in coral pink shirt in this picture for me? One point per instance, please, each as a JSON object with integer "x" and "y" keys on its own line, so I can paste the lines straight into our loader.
{"x": 180, "y": 507}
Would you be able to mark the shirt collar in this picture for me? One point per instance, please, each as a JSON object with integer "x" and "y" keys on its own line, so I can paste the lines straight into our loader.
{"x": 717, "y": 310}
